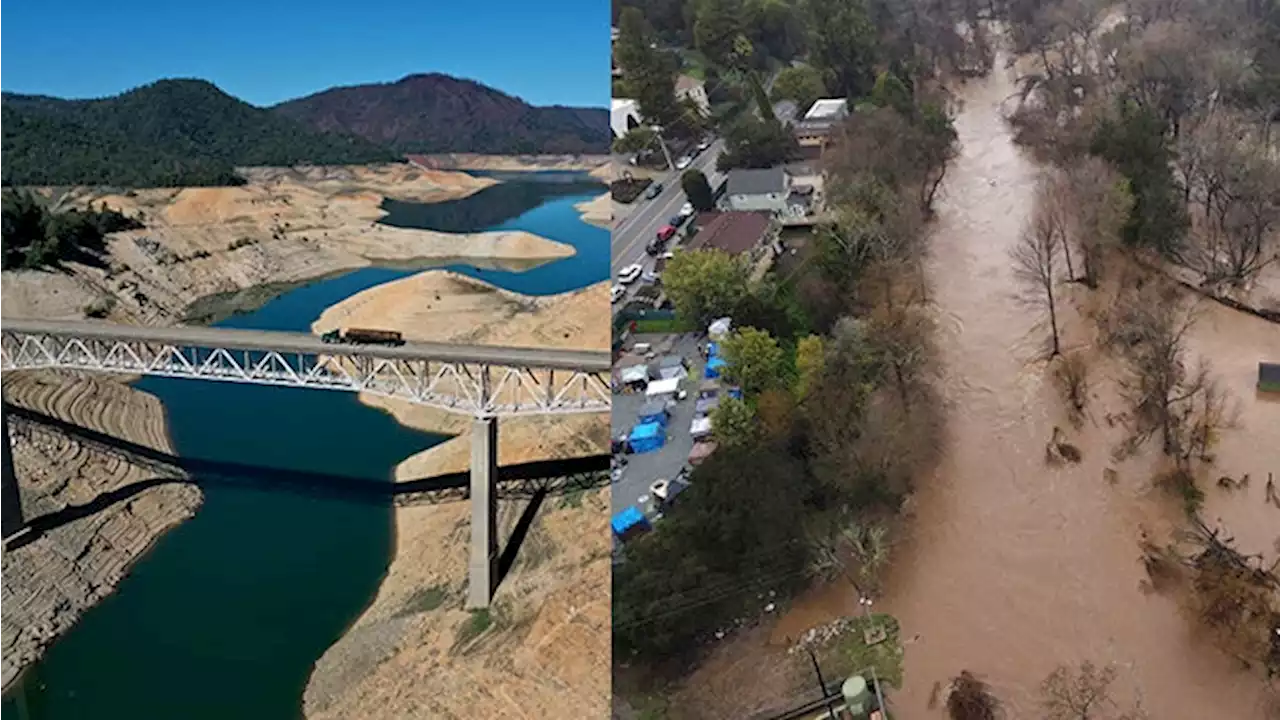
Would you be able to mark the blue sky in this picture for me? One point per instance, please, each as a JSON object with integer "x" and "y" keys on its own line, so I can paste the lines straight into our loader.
{"x": 265, "y": 51}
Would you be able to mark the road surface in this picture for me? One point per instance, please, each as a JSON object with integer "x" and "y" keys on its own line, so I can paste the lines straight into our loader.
{"x": 638, "y": 228}
{"x": 291, "y": 342}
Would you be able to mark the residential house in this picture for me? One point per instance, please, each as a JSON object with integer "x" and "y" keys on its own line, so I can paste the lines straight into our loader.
{"x": 818, "y": 124}
{"x": 624, "y": 115}
{"x": 749, "y": 190}
{"x": 738, "y": 233}
{"x": 691, "y": 88}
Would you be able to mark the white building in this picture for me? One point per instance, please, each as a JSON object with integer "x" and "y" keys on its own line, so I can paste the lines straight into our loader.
{"x": 756, "y": 190}
{"x": 695, "y": 90}
{"x": 623, "y": 116}
{"x": 828, "y": 109}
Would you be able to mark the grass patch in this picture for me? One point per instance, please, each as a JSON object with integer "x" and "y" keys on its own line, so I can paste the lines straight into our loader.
{"x": 425, "y": 600}
{"x": 664, "y": 326}
{"x": 848, "y": 654}
{"x": 474, "y": 627}
{"x": 573, "y": 498}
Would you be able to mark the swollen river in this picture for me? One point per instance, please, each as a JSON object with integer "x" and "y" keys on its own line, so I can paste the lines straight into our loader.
{"x": 225, "y": 617}
{"x": 1015, "y": 567}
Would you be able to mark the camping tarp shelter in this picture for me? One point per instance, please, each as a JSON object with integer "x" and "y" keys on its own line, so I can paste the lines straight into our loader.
{"x": 659, "y": 388}
{"x": 701, "y": 426}
{"x": 720, "y": 328}
{"x": 706, "y": 405}
{"x": 709, "y": 388}
{"x": 647, "y": 437}
{"x": 701, "y": 451}
{"x": 671, "y": 366}
{"x": 635, "y": 374}
{"x": 654, "y": 411}
{"x": 715, "y": 366}
{"x": 629, "y": 521}
{"x": 713, "y": 350}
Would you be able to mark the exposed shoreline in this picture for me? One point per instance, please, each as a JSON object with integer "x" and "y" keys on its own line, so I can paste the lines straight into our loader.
{"x": 598, "y": 211}
{"x": 556, "y": 603}
{"x": 205, "y": 251}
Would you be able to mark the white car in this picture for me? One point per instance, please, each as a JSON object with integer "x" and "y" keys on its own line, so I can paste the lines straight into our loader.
{"x": 650, "y": 277}
{"x": 629, "y": 274}
{"x": 616, "y": 293}
{"x": 683, "y": 162}
{"x": 686, "y": 210}
{"x": 702, "y": 146}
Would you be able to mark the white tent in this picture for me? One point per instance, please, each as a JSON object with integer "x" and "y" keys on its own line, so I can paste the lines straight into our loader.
{"x": 719, "y": 328}
{"x": 701, "y": 426}
{"x": 663, "y": 387}
{"x": 635, "y": 374}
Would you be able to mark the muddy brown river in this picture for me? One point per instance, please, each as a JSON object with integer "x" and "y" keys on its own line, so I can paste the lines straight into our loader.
{"x": 1015, "y": 567}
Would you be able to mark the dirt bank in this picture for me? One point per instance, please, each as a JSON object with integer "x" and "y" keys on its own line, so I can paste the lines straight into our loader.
{"x": 547, "y": 654}
{"x": 285, "y": 226}
{"x": 598, "y": 211}
{"x": 1014, "y": 566}
{"x": 49, "y": 583}
{"x": 516, "y": 163}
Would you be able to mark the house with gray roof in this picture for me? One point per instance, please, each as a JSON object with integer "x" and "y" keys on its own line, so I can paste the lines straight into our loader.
{"x": 757, "y": 190}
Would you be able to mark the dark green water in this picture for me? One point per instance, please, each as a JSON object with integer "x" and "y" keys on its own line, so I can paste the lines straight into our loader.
{"x": 228, "y": 613}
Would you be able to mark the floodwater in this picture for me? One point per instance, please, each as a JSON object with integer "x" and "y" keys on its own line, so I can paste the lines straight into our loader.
{"x": 1015, "y": 567}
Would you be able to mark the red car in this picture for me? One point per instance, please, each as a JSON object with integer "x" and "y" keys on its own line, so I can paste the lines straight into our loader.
{"x": 666, "y": 232}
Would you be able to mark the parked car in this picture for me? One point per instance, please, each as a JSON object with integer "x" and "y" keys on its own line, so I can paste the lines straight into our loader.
{"x": 629, "y": 274}
{"x": 666, "y": 232}
{"x": 650, "y": 277}
{"x": 706, "y": 143}
{"x": 654, "y": 191}
{"x": 686, "y": 211}
{"x": 616, "y": 293}
{"x": 684, "y": 162}
{"x": 676, "y": 220}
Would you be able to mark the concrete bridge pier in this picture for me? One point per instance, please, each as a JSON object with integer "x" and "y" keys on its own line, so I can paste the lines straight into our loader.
{"x": 483, "y": 572}
{"x": 10, "y": 499}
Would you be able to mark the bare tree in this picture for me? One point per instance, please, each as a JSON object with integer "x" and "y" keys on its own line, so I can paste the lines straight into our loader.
{"x": 971, "y": 699}
{"x": 1082, "y": 693}
{"x": 1072, "y": 377}
{"x": 1171, "y": 398}
{"x": 1035, "y": 261}
{"x": 1099, "y": 203}
{"x": 1232, "y": 181}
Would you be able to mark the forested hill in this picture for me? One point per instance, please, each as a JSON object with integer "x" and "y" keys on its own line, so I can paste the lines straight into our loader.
{"x": 169, "y": 133}
{"x": 430, "y": 113}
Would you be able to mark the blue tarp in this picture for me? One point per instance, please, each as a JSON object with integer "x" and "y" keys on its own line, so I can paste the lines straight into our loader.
{"x": 713, "y": 349}
{"x": 714, "y": 366}
{"x": 629, "y": 519}
{"x": 647, "y": 437}
{"x": 735, "y": 393}
{"x": 656, "y": 416}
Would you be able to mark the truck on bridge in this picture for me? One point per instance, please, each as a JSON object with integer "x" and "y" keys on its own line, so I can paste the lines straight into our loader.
{"x": 363, "y": 336}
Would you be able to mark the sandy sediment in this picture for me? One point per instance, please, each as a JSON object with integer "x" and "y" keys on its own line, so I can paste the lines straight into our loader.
{"x": 285, "y": 226}
{"x": 49, "y": 583}
{"x": 548, "y": 651}
{"x": 597, "y": 211}
{"x": 513, "y": 163}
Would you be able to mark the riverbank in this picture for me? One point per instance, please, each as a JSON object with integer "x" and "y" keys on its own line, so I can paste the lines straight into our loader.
{"x": 548, "y": 646}
{"x": 287, "y": 227}
{"x": 49, "y": 583}
{"x": 513, "y": 163}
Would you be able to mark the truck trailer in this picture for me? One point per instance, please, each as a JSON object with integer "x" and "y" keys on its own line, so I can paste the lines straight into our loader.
{"x": 363, "y": 336}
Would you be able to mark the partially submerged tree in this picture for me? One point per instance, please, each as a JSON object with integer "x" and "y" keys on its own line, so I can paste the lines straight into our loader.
{"x": 971, "y": 699}
{"x": 1099, "y": 203}
{"x": 1082, "y": 693}
{"x": 1036, "y": 264}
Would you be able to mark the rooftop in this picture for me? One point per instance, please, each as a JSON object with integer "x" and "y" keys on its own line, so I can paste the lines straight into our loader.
{"x": 756, "y": 182}
{"x": 785, "y": 111}
{"x": 685, "y": 83}
{"x": 733, "y": 232}
{"x": 828, "y": 108}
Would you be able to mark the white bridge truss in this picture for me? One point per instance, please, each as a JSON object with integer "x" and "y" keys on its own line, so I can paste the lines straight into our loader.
{"x": 481, "y": 389}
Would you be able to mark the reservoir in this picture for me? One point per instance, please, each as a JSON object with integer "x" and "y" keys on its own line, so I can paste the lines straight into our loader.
{"x": 226, "y": 616}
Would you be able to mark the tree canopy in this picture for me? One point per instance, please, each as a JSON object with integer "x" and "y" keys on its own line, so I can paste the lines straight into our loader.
{"x": 705, "y": 284}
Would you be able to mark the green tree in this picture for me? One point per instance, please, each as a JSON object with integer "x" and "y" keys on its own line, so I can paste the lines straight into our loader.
{"x": 755, "y": 143}
{"x": 778, "y": 27}
{"x": 753, "y": 359}
{"x": 705, "y": 284}
{"x": 649, "y": 74}
{"x": 733, "y": 423}
{"x": 638, "y": 139}
{"x": 889, "y": 91}
{"x": 717, "y": 31}
{"x": 810, "y": 354}
{"x": 698, "y": 190}
{"x": 843, "y": 45}
{"x": 801, "y": 84}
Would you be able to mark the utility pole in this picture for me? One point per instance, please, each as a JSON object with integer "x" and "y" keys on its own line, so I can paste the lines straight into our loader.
{"x": 822, "y": 685}
{"x": 657, "y": 131}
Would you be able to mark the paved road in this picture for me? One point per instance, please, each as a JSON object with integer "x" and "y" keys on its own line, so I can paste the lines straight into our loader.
{"x": 637, "y": 229}
{"x": 291, "y": 342}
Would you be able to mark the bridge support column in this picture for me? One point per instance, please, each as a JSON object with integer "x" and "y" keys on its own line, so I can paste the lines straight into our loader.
{"x": 10, "y": 499}
{"x": 483, "y": 574}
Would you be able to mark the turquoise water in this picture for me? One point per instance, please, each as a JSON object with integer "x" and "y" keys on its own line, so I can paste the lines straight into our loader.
{"x": 226, "y": 616}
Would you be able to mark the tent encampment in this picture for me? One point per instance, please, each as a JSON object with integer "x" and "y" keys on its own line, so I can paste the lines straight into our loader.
{"x": 629, "y": 522}
{"x": 713, "y": 350}
{"x": 658, "y": 388}
{"x": 647, "y": 437}
{"x": 635, "y": 375}
{"x": 654, "y": 411}
{"x": 701, "y": 451}
{"x": 720, "y": 328}
{"x": 715, "y": 366}
{"x": 671, "y": 366}
{"x": 706, "y": 404}
{"x": 701, "y": 426}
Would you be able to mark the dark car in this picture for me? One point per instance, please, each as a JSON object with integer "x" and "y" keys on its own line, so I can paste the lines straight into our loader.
{"x": 676, "y": 220}
{"x": 654, "y": 191}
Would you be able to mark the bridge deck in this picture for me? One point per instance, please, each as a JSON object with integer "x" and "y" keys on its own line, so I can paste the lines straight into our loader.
{"x": 292, "y": 342}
